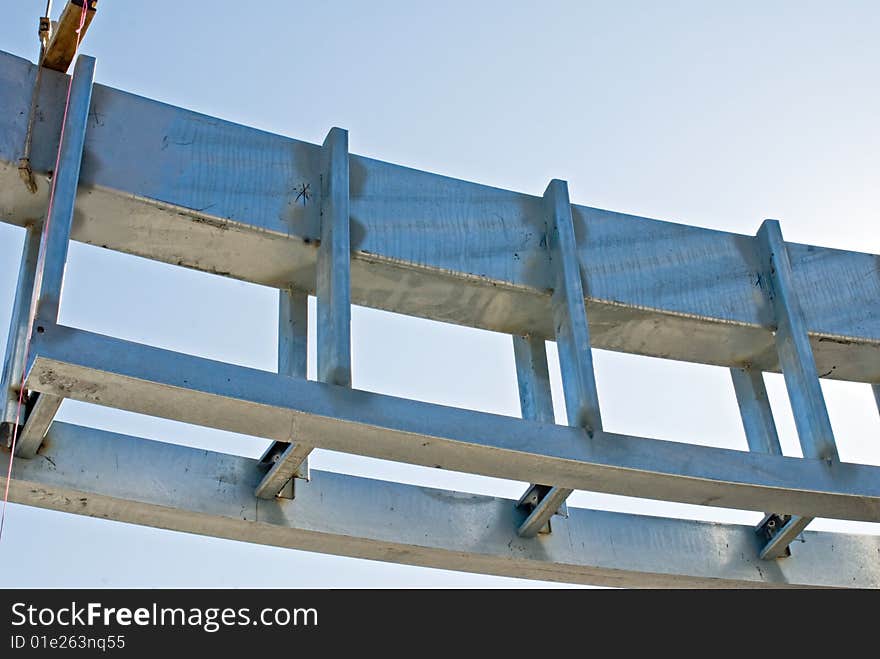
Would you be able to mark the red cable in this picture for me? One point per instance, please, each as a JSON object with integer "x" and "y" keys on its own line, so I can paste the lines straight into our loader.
{"x": 38, "y": 277}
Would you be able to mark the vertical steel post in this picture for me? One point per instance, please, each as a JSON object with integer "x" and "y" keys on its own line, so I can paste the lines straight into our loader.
{"x": 533, "y": 379}
{"x": 334, "y": 264}
{"x": 19, "y": 327}
{"x": 779, "y": 530}
{"x": 793, "y": 347}
{"x": 288, "y": 460}
{"x": 572, "y": 340}
{"x": 755, "y": 411}
{"x": 801, "y": 380}
{"x": 536, "y": 404}
{"x": 293, "y": 333}
{"x": 56, "y": 233}
{"x": 333, "y": 284}
{"x": 570, "y": 314}
{"x": 52, "y": 261}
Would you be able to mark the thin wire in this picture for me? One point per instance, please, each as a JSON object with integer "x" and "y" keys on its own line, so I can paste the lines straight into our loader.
{"x": 39, "y": 275}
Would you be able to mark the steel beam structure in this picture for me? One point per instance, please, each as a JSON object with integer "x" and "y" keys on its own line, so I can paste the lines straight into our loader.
{"x": 167, "y": 184}
{"x": 536, "y": 404}
{"x": 39, "y": 299}
{"x": 798, "y": 368}
{"x": 285, "y": 461}
{"x": 108, "y": 371}
{"x": 572, "y": 334}
{"x": 18, "y": 337}
{"x": 175, "y": 487}
{"x": 793, "y": 346}
{"x": 316, "y": 219}
{"x": 761, "y": 435}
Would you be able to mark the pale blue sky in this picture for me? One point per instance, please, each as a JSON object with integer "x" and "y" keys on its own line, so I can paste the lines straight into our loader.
{"x": 713, "y": 114}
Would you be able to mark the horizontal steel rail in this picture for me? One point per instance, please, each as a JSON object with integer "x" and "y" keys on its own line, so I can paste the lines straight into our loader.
{"x": 168, "y": 486}
{"x": 89, "y": 367}
{"x": 184, "y": 188}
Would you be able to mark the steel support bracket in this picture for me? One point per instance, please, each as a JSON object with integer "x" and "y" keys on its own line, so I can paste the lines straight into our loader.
{"x": 532, "y": 500}
{"x": 276, "y": 462}
{"x": 779, "y": 531}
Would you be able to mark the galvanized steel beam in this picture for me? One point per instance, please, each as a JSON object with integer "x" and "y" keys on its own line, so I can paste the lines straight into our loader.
{"x": 167, "y": 184}
{"x": 98, "y": 369}
{"x": 350, "y": 229}
{"x": 174, "y": 487}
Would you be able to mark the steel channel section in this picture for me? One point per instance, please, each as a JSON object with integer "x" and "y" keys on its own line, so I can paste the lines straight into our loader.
{"x": 175, "y": 487}
{"x": 165, "y": 183}
{"x": 108, "y": 371}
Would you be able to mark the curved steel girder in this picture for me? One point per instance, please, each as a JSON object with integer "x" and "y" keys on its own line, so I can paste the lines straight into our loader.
{"x": 177, "y": 186}
{"x": 76, "y": 364}
{"x": 128, "y": 479}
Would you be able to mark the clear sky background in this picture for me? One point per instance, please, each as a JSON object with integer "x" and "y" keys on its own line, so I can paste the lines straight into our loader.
{"x": 712, "y": 114}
